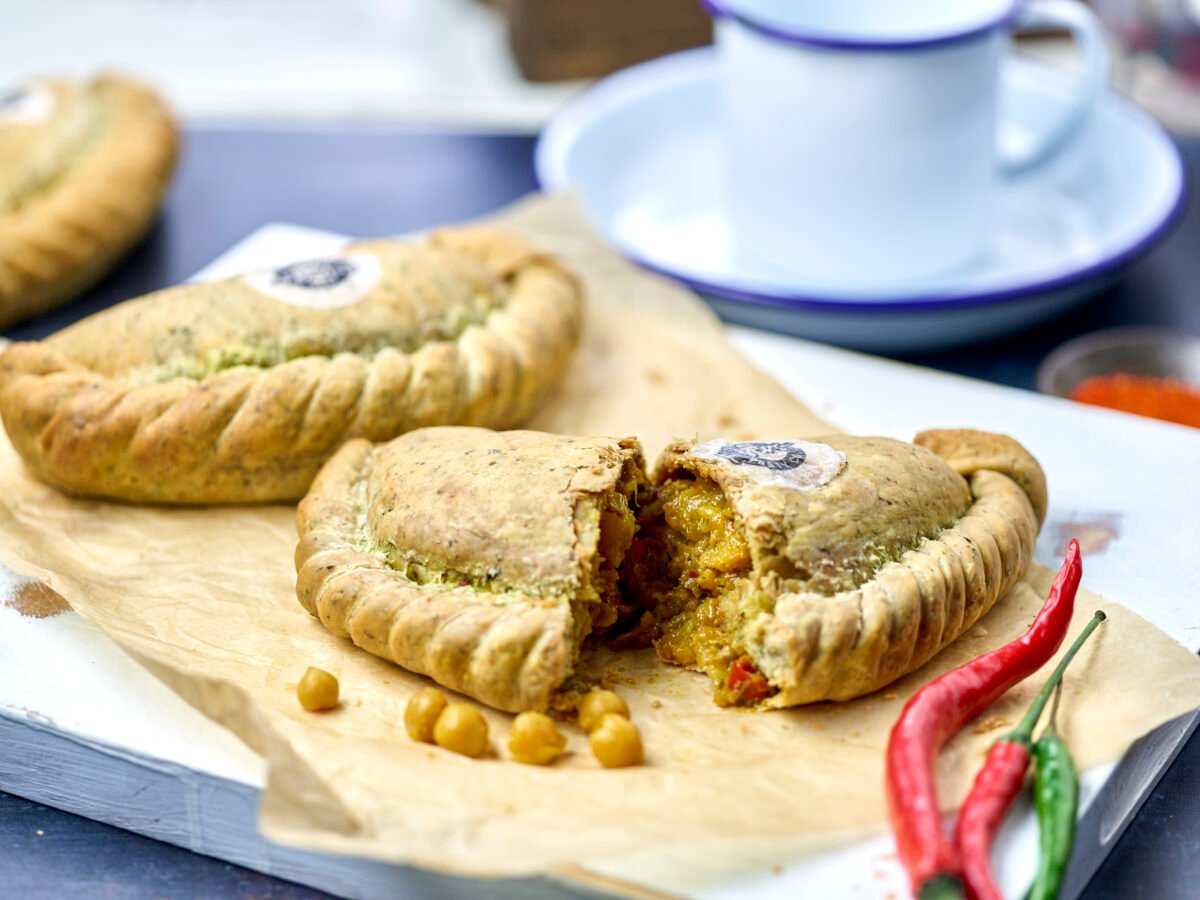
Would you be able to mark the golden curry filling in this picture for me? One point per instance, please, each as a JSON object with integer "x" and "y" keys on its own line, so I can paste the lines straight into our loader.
{"x": 687, "y": 574}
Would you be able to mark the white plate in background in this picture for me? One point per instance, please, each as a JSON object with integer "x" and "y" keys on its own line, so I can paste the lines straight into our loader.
{"x": 641, "y": 151}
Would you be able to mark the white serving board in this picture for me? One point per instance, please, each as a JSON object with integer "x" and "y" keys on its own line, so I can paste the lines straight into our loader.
{"x": 83, "y": 728}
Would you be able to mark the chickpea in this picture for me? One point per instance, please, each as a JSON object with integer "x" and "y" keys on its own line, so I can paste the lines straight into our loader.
{"x": 317, "y": 690}
{"x": 535, "y": 739}
{"x": 421, "y": 713}
{"x": 616, "y": 742}
{"x": 596, "y": 705}
{"x": 462, "y": 728}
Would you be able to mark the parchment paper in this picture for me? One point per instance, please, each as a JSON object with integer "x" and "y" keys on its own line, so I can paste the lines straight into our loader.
{"x": 205, "y": 599}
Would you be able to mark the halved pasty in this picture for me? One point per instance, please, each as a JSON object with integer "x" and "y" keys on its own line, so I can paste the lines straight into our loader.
{"x": 238, "y": 390}
{"x": 798, "y": 571}
{"x": 788, "y": 571}
{"x": 83, "y": 168}
{"x": 481, "y": 559}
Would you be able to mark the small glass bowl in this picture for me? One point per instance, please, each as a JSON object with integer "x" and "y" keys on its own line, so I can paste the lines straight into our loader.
{"x": 1134, "y": 351}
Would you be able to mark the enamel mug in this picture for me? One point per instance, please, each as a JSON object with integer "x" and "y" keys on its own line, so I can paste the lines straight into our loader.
{"x": 861, "y": 137}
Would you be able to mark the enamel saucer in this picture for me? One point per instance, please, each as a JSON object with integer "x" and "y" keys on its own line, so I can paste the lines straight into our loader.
{"x": 640, "y": 151}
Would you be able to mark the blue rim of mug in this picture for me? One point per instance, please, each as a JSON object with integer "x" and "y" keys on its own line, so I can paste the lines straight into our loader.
{"x": 548, "y": 181}
{"x": 722, "y": 9}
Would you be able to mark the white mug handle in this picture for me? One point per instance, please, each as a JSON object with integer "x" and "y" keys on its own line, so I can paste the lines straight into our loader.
{"x": 1085, "y": 28}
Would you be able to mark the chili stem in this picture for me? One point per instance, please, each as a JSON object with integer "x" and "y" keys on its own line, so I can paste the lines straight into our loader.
{"x": 1052, "y": 725}
{"x": 1023, "y": 733}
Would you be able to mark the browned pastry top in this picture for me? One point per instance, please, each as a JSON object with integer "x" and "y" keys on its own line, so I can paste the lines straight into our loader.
{"x": 237, "y": 390}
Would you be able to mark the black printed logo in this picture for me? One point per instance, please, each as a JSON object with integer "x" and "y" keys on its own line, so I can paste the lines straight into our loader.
{"x": 777, "y": 456}
{"x": 315, "y": 274}
{"x": 12, "y": 99}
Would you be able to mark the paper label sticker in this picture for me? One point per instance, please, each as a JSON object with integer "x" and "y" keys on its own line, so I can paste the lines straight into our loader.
{"x": 324, "y": 283}
{"x": 801, "y": 465}
{"x": 26, "y": 105}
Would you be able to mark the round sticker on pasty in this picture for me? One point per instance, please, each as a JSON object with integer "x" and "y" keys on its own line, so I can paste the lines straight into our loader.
{"x": 26, "y": 105}
{"x": 324, "y": 283}
{"x": 802, "y": 465}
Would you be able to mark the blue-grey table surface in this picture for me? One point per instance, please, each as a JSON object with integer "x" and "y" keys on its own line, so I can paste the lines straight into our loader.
{"x": 373, "y": 181}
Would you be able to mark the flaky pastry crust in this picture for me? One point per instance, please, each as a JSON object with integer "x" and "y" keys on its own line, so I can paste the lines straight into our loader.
{"x": 78, "y": 188}
{"x": 238, "y": 390}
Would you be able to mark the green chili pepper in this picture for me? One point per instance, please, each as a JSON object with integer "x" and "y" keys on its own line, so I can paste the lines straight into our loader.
{"x": 1056, "y": 798}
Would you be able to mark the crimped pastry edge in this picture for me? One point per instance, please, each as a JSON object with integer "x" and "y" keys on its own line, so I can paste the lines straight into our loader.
{"x": 815, "y": 647}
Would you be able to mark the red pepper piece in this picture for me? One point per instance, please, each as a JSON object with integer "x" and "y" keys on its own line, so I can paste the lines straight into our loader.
{"x": 638, "y": 549}
{"x": 749, "y": 684}
{"x": 999, "y": 782}
{"x": 942, "y": 708}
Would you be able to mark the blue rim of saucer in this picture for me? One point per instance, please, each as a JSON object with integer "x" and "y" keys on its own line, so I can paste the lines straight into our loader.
{"x": 722, "y": 9}
{"x": 912, "y": 303}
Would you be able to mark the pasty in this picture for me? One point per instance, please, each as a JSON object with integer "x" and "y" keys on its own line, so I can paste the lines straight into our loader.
{"x": 481, "y": 559}
{"x": 83, "y": 167}
{"x": 788, "y": 571}
{"x": 798, "y": 571}
{"x": 238, "y": 390}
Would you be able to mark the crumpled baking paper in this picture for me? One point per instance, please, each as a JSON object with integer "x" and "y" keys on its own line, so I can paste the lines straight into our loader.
{"x": 205, "y": 599}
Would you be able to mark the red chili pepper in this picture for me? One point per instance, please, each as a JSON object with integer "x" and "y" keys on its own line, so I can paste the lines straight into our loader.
{"x": 943, "y": 707}
{"x": 750, "y": 685}
{"x": 998, "y": 783}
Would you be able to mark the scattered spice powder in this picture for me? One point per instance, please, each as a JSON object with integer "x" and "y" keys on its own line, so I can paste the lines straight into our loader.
{"x": 1159, "y": 398}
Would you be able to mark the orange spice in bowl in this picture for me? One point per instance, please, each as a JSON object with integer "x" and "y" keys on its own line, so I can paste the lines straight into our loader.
{"x": 1160, "y": 398}
{"x": 1144, "y": 371}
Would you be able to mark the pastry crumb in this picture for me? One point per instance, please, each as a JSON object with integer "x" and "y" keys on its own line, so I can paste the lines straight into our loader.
{"x": 655, "y": 376}
{"x": 615, "y": 675}
{"x": 776, "y": 869}
{"x": 979, "y": 631}
{"x": 891, "y": 695}
{"x": 726, "y": 420}
{"x": 991, "y": 723}
{"x": 656, "y": 704}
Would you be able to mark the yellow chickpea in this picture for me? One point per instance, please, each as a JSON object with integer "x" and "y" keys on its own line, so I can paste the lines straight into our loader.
{"x": 317, "y": 690}
{"x": 462, "y": 728}
{"x": 616, "y": 742}
{"x": 421, "y": 714}
{"x": 535, "y": 739}
{"x": 596, "y": 705}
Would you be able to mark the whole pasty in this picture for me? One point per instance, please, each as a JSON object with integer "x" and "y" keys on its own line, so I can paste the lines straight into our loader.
{"x": 238, "y": 390}
{"x": 481, "y": 559}
{"x": 798, "y": 571}
{"x": 83, "y": 167}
